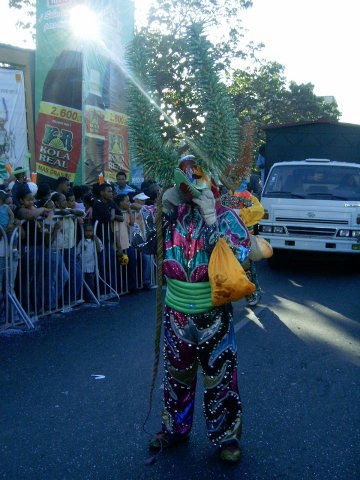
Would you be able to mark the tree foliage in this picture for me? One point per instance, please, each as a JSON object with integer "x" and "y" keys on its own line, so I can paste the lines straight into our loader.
{"x": 263, "y": 95}
{"x": 156, "y": 149}
{"x": 166, "y": 37}
{"x": 29, "y": 7}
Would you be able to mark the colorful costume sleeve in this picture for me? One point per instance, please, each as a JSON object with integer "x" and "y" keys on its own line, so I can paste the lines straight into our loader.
{"x": 235, "y": 232}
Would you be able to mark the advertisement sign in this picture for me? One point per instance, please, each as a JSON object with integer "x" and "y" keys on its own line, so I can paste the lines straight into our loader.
{"x": 76, "y": 86}
{"x": 58, "y": 140}
{"x": 13, "y": 132}
{"x": 116, "y": 145}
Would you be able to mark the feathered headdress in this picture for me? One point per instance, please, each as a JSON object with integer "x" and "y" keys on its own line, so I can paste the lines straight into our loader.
{"x": 237, "y": 171}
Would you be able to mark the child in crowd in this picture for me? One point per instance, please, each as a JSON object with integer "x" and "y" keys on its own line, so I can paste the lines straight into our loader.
{"x": 30, "y": 275}
{"x": 139, "y": 228}
{"x": 6, "y": 214}
{"x": 43, "y": 193}
{"x": 89, "y": 247}
{"x": 65, "y": 242}
{"x": 122, "y": 239}
{"x": 55, "y": 270}
{"x": 8, "y": 224}
{"x": 88, "y": 204}
{"x": 122, "y": 229}
{"x": 79, "y": 192}
{"x": 70, "y": 200}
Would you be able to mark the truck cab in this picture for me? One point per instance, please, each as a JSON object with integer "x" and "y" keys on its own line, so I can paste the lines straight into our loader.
{"x": 312, "y": 205}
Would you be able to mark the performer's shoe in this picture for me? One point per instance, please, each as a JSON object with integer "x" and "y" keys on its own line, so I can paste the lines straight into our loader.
{"x": 253, "y": 299}
{"x": 230, "y": 452}
{"x": 163, "y": 440}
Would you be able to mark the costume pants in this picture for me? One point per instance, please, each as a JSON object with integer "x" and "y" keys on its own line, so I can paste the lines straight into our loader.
{"x": 146, "y": 266}
{"x": 208, "y": 340}
{"x": 252, "y": 275}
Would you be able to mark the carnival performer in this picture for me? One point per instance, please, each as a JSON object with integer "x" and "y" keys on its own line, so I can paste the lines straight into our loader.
{"x": 185, "y": 229}
{"x": 196, "y": 333}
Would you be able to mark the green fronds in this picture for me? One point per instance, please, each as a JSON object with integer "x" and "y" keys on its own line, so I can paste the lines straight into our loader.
{"x": 216, "y": 145}
{"x": 145, "y": 140}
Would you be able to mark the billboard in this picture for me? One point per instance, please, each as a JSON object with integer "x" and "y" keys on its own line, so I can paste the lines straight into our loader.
{"x": 81, "y": 129}
{"x": 13, "y": 131}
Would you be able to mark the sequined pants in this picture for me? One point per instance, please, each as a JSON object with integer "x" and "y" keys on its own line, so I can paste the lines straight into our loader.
{"x": 207, "y": 339}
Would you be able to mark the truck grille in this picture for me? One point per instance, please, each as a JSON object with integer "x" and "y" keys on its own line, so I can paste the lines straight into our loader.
{"x": 311, "y": 220}
{"x": 315, "y": 231}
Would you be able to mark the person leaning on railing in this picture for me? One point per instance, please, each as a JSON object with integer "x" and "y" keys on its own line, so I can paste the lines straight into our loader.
{"x": 31, "y": 244}
{"x": 89, "y": 247}
{"x": 66, "y": 242}
{"x": 105, "y": 212}
{"x": 122, "y": 239}
{"x": 56, "y": 273}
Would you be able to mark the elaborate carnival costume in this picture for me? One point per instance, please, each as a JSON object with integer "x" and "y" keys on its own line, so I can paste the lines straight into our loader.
{"x": 184, "y": 230}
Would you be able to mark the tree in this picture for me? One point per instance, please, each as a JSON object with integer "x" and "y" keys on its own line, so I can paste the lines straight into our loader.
{"x": 158, "y": 151}
{"x": 29, "y": 7}
{"x": 263, "y": 96}
{"x": 165, "y": 35}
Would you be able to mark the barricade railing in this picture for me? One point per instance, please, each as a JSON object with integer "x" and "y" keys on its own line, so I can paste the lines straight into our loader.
{"x": 43, "y": 272}
{"x": 47, "y": 278}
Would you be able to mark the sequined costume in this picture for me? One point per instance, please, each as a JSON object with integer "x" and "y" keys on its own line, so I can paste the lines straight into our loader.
{"x": 206, "y": 339}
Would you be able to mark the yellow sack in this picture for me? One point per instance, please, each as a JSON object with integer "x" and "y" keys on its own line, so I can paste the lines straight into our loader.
{"x": 252, "y": 215}
{"x": 228, "y": 279}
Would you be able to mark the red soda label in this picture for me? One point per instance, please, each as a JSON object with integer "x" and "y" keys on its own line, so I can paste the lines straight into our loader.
{"x": 58, "y": 140}
{"x": 95, "y": 122}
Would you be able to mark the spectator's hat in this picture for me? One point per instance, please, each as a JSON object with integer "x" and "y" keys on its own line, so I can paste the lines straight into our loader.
{"x": 32, "y": 187}
{"x": 140, "y": 196}
{"x": 18, "y": 171}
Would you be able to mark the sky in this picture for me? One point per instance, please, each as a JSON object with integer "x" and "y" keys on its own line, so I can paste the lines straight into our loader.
{"x": 316, "y": 41}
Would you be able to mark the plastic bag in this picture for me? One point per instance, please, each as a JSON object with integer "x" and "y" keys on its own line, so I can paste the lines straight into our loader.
{"x": 228, "y": 279}
{"x": 260, "y": 248}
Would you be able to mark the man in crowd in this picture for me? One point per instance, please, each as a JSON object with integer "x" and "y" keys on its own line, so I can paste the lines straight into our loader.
{"x": 121, "y": 187}
{"x": 139, "y": 227}
{"x": 20, "y": 175}
{"x": 105, "y": 212}
{"x": 62, "y": 185}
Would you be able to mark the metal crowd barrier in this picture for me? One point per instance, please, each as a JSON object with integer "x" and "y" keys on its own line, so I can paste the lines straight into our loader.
{"x": 42, "y": 270}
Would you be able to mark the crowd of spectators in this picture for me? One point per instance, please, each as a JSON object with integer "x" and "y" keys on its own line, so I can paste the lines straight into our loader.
{"x": 59, "y": 246}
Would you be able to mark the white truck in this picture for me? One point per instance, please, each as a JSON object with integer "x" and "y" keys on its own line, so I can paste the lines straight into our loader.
{"x": 312, "y": 205}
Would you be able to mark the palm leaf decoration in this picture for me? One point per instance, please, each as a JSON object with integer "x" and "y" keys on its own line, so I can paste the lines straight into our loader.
{"x": 216, "y": 145}
{"x": 146, "y": 143}
{"x": 244, "y": 163}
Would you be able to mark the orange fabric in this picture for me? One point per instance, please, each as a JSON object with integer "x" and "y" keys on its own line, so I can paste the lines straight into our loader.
{"x": 252, "y": 215}
{"x": 228, "y": 279}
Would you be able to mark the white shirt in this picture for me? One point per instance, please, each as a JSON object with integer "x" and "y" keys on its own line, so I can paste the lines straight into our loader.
{"x": 65, "y": 238}
{"x": 89, "y": 254}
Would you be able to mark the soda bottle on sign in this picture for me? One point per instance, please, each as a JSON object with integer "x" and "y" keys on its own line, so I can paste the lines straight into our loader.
{"x": 59, "y": 124}
{"x": 94, "y": 133}
{"x": 116, "y": 138}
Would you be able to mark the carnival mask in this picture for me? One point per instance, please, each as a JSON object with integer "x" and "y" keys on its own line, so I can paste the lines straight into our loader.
{"x": 190, "y": 179}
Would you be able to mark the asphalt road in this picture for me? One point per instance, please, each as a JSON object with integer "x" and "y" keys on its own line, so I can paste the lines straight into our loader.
{"x": 299, "y": 358}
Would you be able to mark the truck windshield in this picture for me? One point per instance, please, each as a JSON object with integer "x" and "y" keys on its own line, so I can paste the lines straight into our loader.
{"x": 323, "y": 182}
